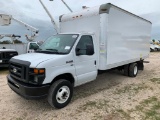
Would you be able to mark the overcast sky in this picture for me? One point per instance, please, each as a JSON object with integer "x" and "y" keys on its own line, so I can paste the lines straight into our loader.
{"x": 31, "y": 12}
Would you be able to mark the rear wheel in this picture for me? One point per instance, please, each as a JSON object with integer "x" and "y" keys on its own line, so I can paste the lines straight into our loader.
{"x": 133, "y": 69}
{"x": 60, "y": 93}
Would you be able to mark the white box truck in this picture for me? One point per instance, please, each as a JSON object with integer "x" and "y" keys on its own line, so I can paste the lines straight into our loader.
{"x": 93, "y": 39}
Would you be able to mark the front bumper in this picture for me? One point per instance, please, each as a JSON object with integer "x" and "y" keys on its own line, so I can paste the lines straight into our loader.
{"x": 28, "y": 91}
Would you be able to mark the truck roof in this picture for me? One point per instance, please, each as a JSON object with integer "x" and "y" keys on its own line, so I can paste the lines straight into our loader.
{"x": 82, "y": 32}
{"x": 104, "y": 8}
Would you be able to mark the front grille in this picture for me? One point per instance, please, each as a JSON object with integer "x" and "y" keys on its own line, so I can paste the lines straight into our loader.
{"x": 19, "y": 71}
{"x": 6, "y": 56}
{"x": 9, "y": 55}
{"x": 1, "y": 55}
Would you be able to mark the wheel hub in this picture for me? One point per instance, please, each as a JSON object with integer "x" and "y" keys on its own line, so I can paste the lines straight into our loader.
{"x": 63, "y": 94}
{"x": 135, "y": 70}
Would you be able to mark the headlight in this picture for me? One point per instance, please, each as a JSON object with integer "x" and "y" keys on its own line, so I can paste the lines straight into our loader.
{"x": 36, "y": 76}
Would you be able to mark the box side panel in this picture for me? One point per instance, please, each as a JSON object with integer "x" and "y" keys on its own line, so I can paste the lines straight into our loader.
{"x": 86, "y": 24}
{"x": 127, "y": 39}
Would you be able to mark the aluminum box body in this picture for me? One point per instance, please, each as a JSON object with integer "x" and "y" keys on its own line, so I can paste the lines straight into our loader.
{"x": 122, "y": 37}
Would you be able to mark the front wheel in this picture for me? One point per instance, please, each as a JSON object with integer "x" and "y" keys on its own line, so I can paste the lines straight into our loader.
{"x": 60, "y": 93}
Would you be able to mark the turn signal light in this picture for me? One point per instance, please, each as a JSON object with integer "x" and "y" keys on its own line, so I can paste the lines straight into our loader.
{"x": 39, "y": 71}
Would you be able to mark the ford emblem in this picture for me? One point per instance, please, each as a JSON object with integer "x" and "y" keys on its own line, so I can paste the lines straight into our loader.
{"x": 14, "y": 70}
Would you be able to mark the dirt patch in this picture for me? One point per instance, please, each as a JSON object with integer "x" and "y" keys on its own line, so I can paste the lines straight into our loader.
{"x": 111, "y": 96}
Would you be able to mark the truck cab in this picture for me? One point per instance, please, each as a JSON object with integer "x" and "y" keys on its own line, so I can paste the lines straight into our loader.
{"x": 64, "y": 56}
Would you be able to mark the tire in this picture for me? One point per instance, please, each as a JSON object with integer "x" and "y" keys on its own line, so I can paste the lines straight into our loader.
{"x": 126, "y": 69}
{"x": 151, "y": 50}
{"x": 60, "y": 93}
{"x": 133, "y": 70}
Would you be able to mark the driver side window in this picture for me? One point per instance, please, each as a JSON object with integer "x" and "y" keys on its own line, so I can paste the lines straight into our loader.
{"x": 82, "y": 44}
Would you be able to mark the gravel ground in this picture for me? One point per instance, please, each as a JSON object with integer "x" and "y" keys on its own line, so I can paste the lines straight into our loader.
{"x": 111, "y": 96}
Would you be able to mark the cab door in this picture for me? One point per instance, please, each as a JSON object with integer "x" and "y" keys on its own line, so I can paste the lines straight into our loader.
{"x": 86, "y": 65}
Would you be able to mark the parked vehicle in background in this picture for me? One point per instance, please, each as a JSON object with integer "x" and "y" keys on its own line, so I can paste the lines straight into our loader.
{"x": 9, "y": 50}
{"x": 99, "y": 38}
{"x": 157, "y": 47}
{"x": 22, "y": 48}
{"x": 15, "y": 49}
{"x": 154, "y": 47}
{"x": 6, "y": 55}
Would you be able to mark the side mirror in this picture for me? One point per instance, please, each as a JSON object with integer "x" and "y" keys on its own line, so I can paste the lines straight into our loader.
{"x": 89, "y": 49}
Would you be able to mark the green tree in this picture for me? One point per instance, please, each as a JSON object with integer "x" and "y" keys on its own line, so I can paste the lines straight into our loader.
{"x": 17, "y": 41}
{"x": 5, "y": 42}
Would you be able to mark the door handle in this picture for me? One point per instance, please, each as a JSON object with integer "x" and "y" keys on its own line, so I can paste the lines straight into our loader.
{"x": 71, "y": 61}
{"x": 95, "y": 62}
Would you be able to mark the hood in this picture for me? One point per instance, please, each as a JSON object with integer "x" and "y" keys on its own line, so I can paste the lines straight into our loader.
{"x": 36, "y": 58}
{"x": 7, "y": 50}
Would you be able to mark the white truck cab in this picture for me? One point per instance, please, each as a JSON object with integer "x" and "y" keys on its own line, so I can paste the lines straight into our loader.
{"x": 94, "y": 39}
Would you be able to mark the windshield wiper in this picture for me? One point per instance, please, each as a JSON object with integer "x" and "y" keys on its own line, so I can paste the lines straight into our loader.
{"x": 53, "y": 50}
{"x": 50, "y": 51}
{"x": 39, "y": 49}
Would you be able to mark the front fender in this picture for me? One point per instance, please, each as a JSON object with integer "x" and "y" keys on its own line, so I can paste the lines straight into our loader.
{"x": 53, "y": 72}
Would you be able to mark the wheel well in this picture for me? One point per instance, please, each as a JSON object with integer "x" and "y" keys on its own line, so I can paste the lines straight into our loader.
{"x": 66, "y": 76}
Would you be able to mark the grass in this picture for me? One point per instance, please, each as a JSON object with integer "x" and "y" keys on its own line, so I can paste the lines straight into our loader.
{"x": 94, "y": 105}
{"x": 97, "y": 117}
{"x": 100, "y": 104}
{"x": 87, "y": 93}
{"x": 155, "y": 80}
{"x": 19, "y": 118}
{"x": 149, "y": 109}
{"x": 123, "y": 114}
{"x": 134, "y": 88}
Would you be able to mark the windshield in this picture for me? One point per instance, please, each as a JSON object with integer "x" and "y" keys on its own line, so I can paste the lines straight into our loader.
{"x": 58, "y": 44}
